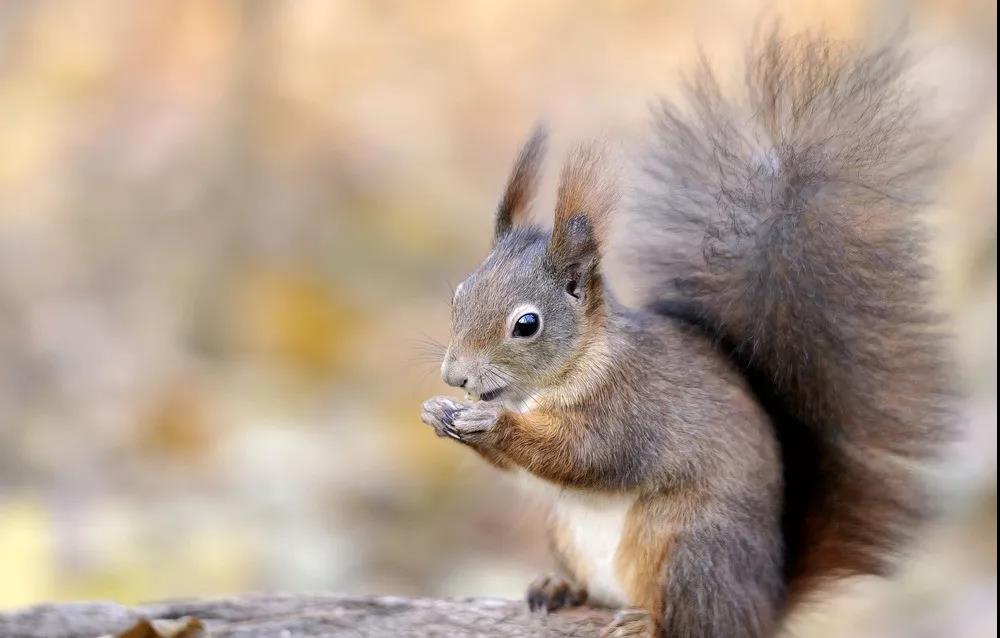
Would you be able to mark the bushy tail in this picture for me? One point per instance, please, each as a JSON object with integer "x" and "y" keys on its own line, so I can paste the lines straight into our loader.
{"x": 787, "y": 224}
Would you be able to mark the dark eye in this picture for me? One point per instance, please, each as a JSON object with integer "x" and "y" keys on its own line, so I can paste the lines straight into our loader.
{"x": 526, "y": 325}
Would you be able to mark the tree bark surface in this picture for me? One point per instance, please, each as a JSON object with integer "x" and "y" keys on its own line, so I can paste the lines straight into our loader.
{"x": 303, "y": 615}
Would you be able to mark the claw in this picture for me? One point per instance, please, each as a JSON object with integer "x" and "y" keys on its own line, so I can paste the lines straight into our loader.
{"x": 448, "y": 416}
{"x": 630, "y": 623}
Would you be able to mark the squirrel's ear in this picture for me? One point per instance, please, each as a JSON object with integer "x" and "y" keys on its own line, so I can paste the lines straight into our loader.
{"x": 523, "y": 182}
{"x": 587, "y": 195}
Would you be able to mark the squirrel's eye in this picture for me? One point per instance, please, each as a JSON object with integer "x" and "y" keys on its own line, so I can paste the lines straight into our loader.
{"x": 526, "y": 325}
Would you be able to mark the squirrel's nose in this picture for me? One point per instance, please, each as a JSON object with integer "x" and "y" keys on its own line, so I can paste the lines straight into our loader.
{"x": 455, "y": 380}
{"x": 454, "y": 374}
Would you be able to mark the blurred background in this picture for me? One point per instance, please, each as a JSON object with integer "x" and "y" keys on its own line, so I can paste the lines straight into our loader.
{"x": 227, "y": 228}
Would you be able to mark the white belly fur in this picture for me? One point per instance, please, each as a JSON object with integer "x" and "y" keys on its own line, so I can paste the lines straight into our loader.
{"x": 594, "y": 524}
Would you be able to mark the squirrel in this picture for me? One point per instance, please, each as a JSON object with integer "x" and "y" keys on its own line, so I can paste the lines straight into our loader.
{"x": 754, "y": 426}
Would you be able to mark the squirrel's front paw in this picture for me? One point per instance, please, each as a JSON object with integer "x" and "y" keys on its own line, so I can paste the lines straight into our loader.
{"x": 440, "y": 413}
{"x": 470, "y": 423}
{"x": 475, "y": 423}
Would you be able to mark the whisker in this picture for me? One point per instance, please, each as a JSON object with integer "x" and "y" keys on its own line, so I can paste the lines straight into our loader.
{"x": 429, "y": 344}
{"x": 506, "y": 379}
{"x": 426, "y": 351}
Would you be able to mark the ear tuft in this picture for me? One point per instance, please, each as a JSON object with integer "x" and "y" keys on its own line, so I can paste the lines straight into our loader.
{"x": 587, "y": 195}
{"x": 522, "y": 184}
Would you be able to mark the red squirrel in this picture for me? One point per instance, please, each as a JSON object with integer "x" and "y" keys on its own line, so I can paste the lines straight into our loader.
{"x": 753, "y": 428}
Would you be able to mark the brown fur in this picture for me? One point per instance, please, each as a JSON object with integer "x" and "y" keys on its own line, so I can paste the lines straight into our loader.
{"x": 587, "y": 190}
{"x": 542, "y": 443}
{"x": 645, "y": 548}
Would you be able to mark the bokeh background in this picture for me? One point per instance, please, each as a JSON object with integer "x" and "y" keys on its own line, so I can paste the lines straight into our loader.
{"x": 228, "y": 228}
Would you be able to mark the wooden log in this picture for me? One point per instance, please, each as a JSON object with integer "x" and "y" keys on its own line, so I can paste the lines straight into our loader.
{"x": 308, "y": 615}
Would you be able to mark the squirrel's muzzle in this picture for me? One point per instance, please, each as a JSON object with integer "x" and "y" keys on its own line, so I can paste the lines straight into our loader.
{"x": 454, "y": 372}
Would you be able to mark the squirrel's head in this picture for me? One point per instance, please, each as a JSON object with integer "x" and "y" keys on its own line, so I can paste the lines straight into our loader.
{"x": 522, "y": 319}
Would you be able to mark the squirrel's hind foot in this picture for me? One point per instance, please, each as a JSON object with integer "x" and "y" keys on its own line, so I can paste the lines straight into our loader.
{"x": 550, "y": 592}
{"x": 631, "y": 623}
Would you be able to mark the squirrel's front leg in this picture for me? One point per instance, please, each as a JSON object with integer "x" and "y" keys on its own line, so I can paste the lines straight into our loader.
{"x": 558, "y": 447}
{"x": 543, "y": 444}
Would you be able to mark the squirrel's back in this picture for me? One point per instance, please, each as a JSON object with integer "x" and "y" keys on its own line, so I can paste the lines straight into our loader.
{"x": 787, "y": 225}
